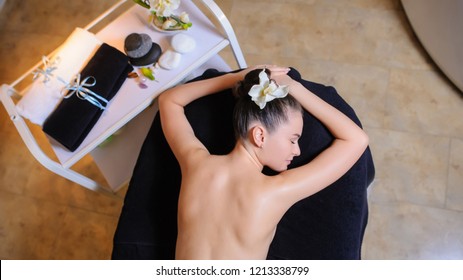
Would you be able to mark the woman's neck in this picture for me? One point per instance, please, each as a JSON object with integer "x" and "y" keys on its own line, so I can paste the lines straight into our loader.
{"x": 244, "y": 155}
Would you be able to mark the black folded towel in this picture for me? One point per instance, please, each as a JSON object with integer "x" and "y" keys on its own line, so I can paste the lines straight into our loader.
{"x": 73, "y": 118}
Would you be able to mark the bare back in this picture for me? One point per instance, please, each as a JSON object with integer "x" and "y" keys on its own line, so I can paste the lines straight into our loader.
{"x": 223, "y": 212}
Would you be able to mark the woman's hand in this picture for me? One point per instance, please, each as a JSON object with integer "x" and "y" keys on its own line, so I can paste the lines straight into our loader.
{"x": 280, "y": 76}
{"x": 275, "y": 70}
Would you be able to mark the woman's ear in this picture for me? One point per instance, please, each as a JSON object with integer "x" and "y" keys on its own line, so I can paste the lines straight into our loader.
{"x": 257, "y": 134}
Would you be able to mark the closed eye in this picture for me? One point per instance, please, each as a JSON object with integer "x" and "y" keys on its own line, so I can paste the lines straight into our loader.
{"x": 295, "y": 139}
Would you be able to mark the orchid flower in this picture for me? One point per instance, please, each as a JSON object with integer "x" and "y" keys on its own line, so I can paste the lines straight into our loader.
{"x": 266, "y": 90}
{"x": 162, "y": 14}
{"x": 169, "y": 23}
{"x": 164, "y": 8}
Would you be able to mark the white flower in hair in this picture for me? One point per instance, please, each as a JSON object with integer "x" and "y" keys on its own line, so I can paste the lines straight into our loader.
{"x": 266, "y": 90}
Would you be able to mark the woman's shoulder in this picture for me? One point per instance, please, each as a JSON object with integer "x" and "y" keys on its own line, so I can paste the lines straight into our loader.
{"x": 207, "y": 164}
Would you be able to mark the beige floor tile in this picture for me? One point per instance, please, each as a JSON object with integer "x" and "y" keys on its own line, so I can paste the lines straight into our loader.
{"x": 29, "y": 31}
{"x": 85, "y": 235}
{"x": 300, "y": 31}
{"x": 13, "y": 178}
{"x": 225, "y": 5}
{"x": 406, "y": 231}
{"x": 45, "y": 185}
{"x": 378, "y": 37}
{"x": 409, "y": 167}
{"x": 45, "y": 16}
{"x": 15, "y": 160}
{"x": 455, "y": 188}
{"x": 28, "y": 226}
{"x": 96, "y": 202}
{"x": 423, "y": 102}
{"x": 364, "y": 88}
{"x": 366, "y": 4}
{"x": 293, "y": 1}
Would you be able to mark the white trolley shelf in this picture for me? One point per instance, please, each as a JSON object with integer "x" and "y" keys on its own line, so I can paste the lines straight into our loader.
{"x": 131, "y": 108}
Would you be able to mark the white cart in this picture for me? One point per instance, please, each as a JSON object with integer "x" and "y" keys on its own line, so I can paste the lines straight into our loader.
{"x": 133, "y": 108}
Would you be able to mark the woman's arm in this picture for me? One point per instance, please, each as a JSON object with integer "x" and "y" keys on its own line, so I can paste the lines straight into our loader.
{"x": 176, "y": 128}
{"x": 175, "y": 125}
{"x": 349, "y": 144}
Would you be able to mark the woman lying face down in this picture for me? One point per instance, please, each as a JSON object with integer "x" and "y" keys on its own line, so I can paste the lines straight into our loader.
{"x": 227, "y": 208}
{"x": 279, "y": 122}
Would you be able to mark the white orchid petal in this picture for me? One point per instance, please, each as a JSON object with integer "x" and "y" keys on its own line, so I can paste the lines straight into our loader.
{"x": 266, "y": 91}
{"x": 255, "y": 91}
{"x": 184, "y": 17}
{"x": 261, "y": 102}
{"x": 273, "y": 85}
{"x": 269, "y": 98}
{"x": 281, "y": 92}
{"x": 164, "y": 7}
{"x": 269, "y": 89}
{"x": 263, "y": 78}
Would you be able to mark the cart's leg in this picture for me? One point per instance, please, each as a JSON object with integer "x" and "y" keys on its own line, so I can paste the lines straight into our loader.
{"x": 229, "y": 32}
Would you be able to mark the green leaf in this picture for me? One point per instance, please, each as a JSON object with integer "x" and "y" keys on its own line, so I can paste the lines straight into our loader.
{"x": 144, "y": 4}
{"x": 147, "y": 73}
{"x": 182, "y": 24}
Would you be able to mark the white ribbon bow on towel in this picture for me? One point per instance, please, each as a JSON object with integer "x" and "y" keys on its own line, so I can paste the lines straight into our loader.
{"x": 82, "y": 92}
{"x": 48, "y": 68}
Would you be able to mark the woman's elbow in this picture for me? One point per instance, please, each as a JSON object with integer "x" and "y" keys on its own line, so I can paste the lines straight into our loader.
{"x": 363, "y": 140}
{"x": 163, "y": 99}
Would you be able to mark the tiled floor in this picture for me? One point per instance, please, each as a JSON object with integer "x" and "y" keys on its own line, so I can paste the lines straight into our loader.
{"x": 365, "y": 48}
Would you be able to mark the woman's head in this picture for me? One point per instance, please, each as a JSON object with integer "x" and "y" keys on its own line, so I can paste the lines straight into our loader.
{"x": 279, "y": 123}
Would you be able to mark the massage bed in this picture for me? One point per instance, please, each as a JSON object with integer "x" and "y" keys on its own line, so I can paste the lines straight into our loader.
{"x": 327, "y": 225}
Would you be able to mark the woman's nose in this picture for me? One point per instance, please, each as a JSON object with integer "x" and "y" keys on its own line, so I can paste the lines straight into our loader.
{"x": 297, "y": 150}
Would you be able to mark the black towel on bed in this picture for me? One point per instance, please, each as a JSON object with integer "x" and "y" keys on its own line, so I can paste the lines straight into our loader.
{"x": 327, "y": 225}
{"x": 73, "y": 118}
